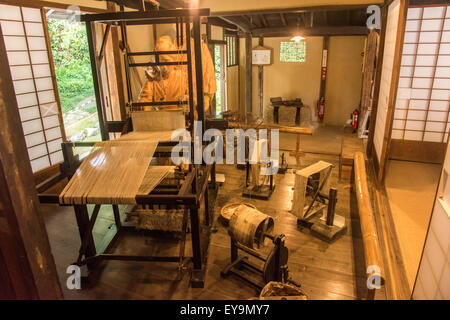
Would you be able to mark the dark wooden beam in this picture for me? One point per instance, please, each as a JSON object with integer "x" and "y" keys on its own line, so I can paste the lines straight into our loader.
{"x": 27, "y": 266}
{"x": 240, "y": 22}
{"x": 218, "y": 21}
{"x": 264, "y": 21}
{"x": 261, "y": 84}
{"x": 311, "y": 32}
{"x": 283, "y": 19}
{"x": 296, "y": 9}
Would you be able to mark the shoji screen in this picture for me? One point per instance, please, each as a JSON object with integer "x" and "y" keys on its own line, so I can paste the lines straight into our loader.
{"x": 422, "y": 106}
{"x": 25, "y": 41}
{"x": 386, "y": 75}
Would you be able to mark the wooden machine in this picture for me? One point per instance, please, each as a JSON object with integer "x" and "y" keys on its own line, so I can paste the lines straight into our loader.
{"x": 312, "y": 194}
{"x": 249, "y": 230}
{"x": 126, "y": 171}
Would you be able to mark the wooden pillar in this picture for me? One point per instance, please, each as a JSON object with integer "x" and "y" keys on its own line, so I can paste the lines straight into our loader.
{"x": 261, "y": 84}
{"x": 27, "y": 268}
{"x": 248, "y": 75}
{"x": 324, "y": 71}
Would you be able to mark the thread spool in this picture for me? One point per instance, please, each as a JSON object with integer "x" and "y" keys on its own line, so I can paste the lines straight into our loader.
{"x": 248, "y": 226}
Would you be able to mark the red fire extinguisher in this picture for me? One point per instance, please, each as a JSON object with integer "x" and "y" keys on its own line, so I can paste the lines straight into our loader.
{"x": 355, "y": 118}
{"x": 321, "y": 108}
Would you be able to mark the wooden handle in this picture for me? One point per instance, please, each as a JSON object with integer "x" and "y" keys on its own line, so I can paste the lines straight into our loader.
{"x": 296, "y": 130}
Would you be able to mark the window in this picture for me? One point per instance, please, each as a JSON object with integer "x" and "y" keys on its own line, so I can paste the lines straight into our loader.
{"x": 232, "y": 49}
{"x": 26, "y": 46}
{"x": 422, "y": 105}
{"x": 293, "y": 51}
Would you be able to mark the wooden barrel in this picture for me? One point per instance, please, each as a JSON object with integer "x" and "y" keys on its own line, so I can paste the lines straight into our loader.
{"x": 248, "y": 226}
{"x": 228, "y": 210}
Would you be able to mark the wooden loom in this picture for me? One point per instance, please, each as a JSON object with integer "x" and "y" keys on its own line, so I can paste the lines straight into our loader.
{"x": 119, "y": 172}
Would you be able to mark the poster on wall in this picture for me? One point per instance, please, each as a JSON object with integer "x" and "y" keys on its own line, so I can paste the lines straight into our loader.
{"x": 261, "y": 56}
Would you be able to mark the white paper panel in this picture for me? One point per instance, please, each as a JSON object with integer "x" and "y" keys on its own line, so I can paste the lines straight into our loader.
{"x": 413, "y": 135}
{"x": 428, "y": 48}
{"x": 398, "y": 124}
{"x": 397, "y": 134}
{"x": 432, "y": 25}
{"x": 447, "y": 24}
{"x": 15, "y": 43}
{"x": 37, "y": 151}
{"x": 442, "y": 72}
{"x": 49, "y": 109}
{"x": 446, "y": 138}
{"x": 409, "y": 48}
{"x": 433, "y": 12}
{"x": 37, "y": 43}
{"x": 443, "y": 61}
{"x": 44, "y": 84}
{"x": 12, "y": 28}
{"x": 420, "y": 93}
{"x": 432, "y": 137}
{"x": 21, "y": 72}
{"x": 31, "y": 14}
{"x": 39, "y": 57}
{"x": 446, "y": 36}
{"x": 402, "y": 104}
{"x": 56, "y": 157}
{"x": 26, "y": 100}
{"x": 441, "y": 83}
{"x": 406, "y": 71}
{"x": 411, "y": 37}
{"x": 46, "y": 96}
{"x": 34, "y": 139}
{"x": 423, "y": 72}
{"x": 18, "y": 58}
{"x": 29, "y": 113}
{"x": 50, "y": 122}
{"x": 413, "y": 25}
{"x": 415, "y": 125}
{"x": 34, "y": 29}
{"x": 41, "y": 70}
{"x": 414, "y": 13}
{"x": 445, "y": 48}
{"x": 440, "y": 95}
{"x": 54, "y": 145}
{"x": 403, "y": 93}
{"x": 52, "y": 134}
{"x": 435, "y": 127}
{"x": 436, "y": 116}
{"x": 416, "y": 115}
{"x": 433, "y": 37}
{"x": 32, "y": 126}
{"x": 447, "y": 15}
{"x": 40, "y": 164}
{"x": 418, "y": 104}
{"x": 408, "y": 60}
{"x": 425, "y": 61}
{"x": 23, "y": 86}
{"x": 439, "y": 105}
{"x": 400, "y": 114}
{"x": 422, "y": 83}
{"x": 10, "y": 12}
{"x": 404, "y": 82}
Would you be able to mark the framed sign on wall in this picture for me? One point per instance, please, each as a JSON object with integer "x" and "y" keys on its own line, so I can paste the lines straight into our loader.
{"x": 261, "y": 56}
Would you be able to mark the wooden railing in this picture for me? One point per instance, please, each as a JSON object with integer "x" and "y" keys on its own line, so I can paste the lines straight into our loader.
{"x": 372, "y": 253}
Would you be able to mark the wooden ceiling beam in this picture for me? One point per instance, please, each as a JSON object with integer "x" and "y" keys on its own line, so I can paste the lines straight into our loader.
{"x": 295, "y": 10}
{"x": 240, "y": 22}
{"x": 264, "y": 20}
{"x": 311, "y": 32}
{"x": 283, "y": 19}
{"x": 217, "y": 21}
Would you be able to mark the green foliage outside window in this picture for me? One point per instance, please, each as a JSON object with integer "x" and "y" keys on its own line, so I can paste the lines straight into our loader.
{"x": 293, "y": 51}
{"x": 72, "y": 62}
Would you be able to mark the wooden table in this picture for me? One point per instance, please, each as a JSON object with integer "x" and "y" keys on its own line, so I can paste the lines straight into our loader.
{"x": 278, "y": 102}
